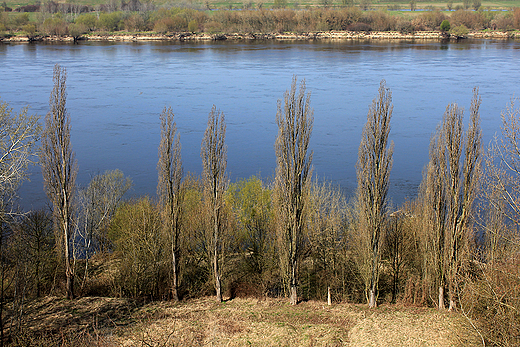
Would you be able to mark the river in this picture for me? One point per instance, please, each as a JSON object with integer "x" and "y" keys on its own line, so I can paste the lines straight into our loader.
{"x": 116, "y": 92}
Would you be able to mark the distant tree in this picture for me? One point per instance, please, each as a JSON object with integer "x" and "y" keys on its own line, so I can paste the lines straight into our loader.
{"x": 214, "y": 162}
{"x": 413, "y": 5}
{"x": 449, "y": 5}
{"x": 169, "y": 189}
{"x": 476, "y": 4}
{"x": 373, "y": 173}
{"x": 59, "y": 168}
{"x": 293, "y": 177}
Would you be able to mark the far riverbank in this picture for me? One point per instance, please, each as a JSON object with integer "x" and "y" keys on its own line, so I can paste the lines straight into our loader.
{"x": 328, "y": 35}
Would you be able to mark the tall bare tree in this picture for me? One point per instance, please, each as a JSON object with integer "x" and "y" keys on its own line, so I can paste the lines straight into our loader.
{"x": 169, "y": 188}
{"x": 59, "y": 168}
{"x": 452, "y": 180}
{"x": 293, "y": 176}
{"x": 373, "y": 175}
{"x": 214, "y": 162}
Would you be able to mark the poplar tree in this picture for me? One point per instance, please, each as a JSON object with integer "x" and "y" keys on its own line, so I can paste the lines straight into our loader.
{"x": 59, "y": 168}
{"x": 452, "y": 181}
{"x": 373, "y": 176}
{"x": 169, "y": 190}
{"x": 293, "y": 177}
{"x": 214, "y": 162}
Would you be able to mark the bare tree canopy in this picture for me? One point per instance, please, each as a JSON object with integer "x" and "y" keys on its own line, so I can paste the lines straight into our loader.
{"x": 18, "y": 134}
{"x": 170, "y": 173}
{"x": 214, "y": 162}
{"x": 293, "y": 176}
{"x": 59, "y": 167}
{"x": 373, "y": 176}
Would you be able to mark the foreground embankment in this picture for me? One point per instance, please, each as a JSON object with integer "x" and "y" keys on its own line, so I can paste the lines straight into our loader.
{"x": 328, "y": 35}
{"x": 92, "y": 321}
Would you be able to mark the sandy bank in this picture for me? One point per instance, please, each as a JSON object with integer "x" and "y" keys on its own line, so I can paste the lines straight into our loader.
{"x": 328, "y": 35}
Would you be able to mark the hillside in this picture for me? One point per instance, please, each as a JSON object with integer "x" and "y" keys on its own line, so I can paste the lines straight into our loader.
{"x": 239, "y": 322}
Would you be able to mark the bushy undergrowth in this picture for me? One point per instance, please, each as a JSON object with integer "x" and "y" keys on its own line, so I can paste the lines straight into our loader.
{"x": 261, "y": 20}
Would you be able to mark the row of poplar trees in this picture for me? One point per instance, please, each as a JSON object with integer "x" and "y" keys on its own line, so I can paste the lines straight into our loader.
{"x": 440, "y": 221}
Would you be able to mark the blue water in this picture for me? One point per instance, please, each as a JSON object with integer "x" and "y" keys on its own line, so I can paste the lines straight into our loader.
{"x": 116, "y": 92}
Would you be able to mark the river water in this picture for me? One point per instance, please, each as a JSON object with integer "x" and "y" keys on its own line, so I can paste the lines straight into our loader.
{"x": 116, "y": 92}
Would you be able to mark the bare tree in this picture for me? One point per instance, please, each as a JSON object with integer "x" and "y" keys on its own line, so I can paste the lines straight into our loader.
{"x": 503, "y": 167}
{"x": 214, "y": 161}
{"x": 59, "y": 168}
{"x": 97, "y": 204}
{"x": 373, "y": 173}
{"x": 452, "y": 181}
{"x": 293, "y": 176}
{"x": 169, "y": 188}
{"x": 18, "y": 134}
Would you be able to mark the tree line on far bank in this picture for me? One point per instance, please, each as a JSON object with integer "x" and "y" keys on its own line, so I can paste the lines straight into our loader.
{"x": 455, "y": 246}
{"x": 56, "y": 19}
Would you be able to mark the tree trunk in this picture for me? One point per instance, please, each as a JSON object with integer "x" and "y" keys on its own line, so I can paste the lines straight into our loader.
{"x": 294, "y": 294}
{"x": 70, "y": 284}
{"x": 372, "y": 302}
{"x": 68, "y": 269}
{"x": 329, "y": 300}
{"x": 175, "y": 294}
{"x": 441, "y": 298}
{"x": 294, "y": 297}
{"x": 451, "y": 295}
{"x": 218, "y": 285}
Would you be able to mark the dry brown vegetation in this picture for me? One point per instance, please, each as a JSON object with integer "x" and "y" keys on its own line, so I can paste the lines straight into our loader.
{"x": 95, "y": 321}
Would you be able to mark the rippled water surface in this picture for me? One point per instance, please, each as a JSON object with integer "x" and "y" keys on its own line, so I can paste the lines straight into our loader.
{"x": 116, "y": 92}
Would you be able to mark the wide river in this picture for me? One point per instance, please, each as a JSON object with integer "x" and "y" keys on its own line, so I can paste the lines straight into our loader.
{"x": 116, "y": 92}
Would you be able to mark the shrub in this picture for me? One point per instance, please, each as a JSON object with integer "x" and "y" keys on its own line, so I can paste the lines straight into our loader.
{"x": 55, "y": 26}
{"x": 76, "y": 30}
{"x": 136, "y": 232}
{"x": 135, "y": 23}
{"x": 89, "y": 20}
{"x": 459, "y": 31}
{"x": 110, "y": 21}
{"x": 193, "y": 26}
{"x": 445, "y": 25}
{"x": 359, "y": 27}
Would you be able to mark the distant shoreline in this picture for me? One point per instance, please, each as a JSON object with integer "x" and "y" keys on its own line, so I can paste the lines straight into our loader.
{"x": 327, "y": 35}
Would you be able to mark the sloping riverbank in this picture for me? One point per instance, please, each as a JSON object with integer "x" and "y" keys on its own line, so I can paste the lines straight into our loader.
{"x": 328, "y": 35}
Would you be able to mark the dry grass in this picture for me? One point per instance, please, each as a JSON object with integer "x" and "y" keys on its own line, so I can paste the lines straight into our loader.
{"x": 239, "y": 322}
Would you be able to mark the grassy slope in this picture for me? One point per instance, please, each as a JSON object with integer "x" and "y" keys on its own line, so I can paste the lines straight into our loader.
{"x": 240, "y": 322}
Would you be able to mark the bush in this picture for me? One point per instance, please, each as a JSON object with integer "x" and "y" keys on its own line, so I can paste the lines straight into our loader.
{"x": 459, "y": 31}
{"x": 193, "y": 26}
{"x": 445, "y": 25}
{"x": 55, "y": 26}
{"x": 136, "y": 232}
{"x": 110, "y": 21}
{"x": 89, "y": 20}
{"x": 135, "y": 23}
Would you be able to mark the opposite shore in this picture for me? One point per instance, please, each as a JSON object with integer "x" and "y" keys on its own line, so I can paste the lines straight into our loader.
{"x": 327, "y": 35}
